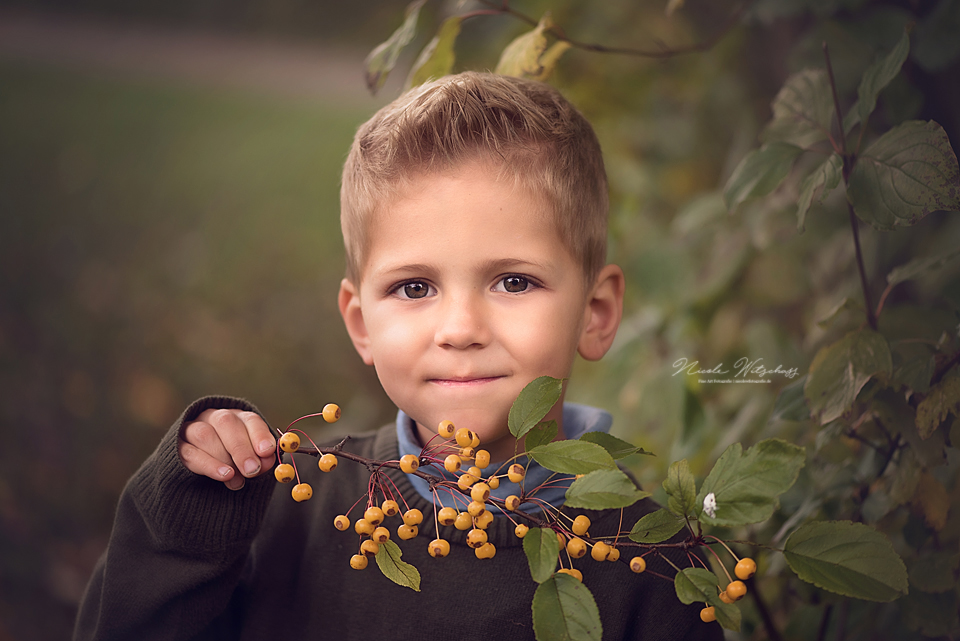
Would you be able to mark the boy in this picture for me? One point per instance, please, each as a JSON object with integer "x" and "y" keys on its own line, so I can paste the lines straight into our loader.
{"x": 474, "y": 217}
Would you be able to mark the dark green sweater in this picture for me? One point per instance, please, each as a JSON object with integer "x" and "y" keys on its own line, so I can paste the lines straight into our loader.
{"x": 190, "y": 559}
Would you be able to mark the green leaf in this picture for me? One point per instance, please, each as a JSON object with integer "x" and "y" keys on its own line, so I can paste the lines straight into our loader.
{"x": 846, "y": 304}
{"x": 696, "y": 585}
{"x": 879, "y": 75}
{"x": 437, "y": 58}
{"x": 790, "y": 404}
{"x": 400, "y": 572}
{"x": 817, "y": 185}
{"x": 528, "y": 56}
{"x": 918, "y": 266}
{"x": 564, "y": 610}
{"x": 907, "y": 173}
{"x": 681, "y": 488}
{"x": 572, "y": 457}
{"x": 803, "y": 110}
{"x": 381, "y": 61}
{"x": 604, "y": 490}
{"x": 656, "y": 527}
{"x": 541, "y": 547}
{"x": 532, "y": 404}
{"x": 542, "y": 434}
{"x": 942, "y": 399}
{"x": 746, "y": 485}
{"x": 617, "y": 447}
{"x": 760, "y": 172}
{"x": 851, "y": 559}
{"x": 839, "y": 371}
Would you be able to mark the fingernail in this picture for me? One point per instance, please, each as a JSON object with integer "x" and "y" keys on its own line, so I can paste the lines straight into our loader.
{"x": 225, "y": 470}
{"x": 266, "y": 446}
{"x": 232, "y": 483}
{"x": 251, "y": 467}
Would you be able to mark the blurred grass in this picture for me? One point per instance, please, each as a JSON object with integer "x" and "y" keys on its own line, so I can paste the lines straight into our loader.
{"x": 159, "y": 242}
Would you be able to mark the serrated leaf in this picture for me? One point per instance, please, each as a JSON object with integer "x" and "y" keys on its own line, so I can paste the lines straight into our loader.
{"x": 846, "y": 304}
{"x": 541, "y": 547}
{"x": 381, "y": 61}
{"x": 879, "y": 75}
{"x": 817, "y": 185}
{"x": 542, "y": 434}
{"x": 802, "y": 111}
{"x": 760, "y": 172}
{"x": 851, "y": 559}
{"x": 839, "y": 371}
{"x": 536, "y": 399}
{"x": 603, "y": 490}
{"x": 565, "y": 610}
{"x": 681, "y": 488}
{"x": 696, "y": 585}
{"x": 572, "y": 457}
{"x": 437, "y": 58}
{"x": 918, "y": 266}
{"x": 907, "y": 173}
{"x": 617, "y": 447}
{"x": 746, "y": 485}
{"x": 914, "y": 366}
{"x": 656, "y": 527}
{"x": 400, "y": 572}
{"x": 790, "y": 404}
{"x": 942, "y": 399}
{"x": 530, "y": 56}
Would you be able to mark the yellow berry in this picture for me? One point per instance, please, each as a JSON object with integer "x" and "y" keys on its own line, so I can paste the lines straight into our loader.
{"x": 580, "y": 525}
{"x": 638, "y": 564}
{"x": 327, "y": 462}
{"x": 484, "y": 519}
{"x": 390, "y": 508}
{"x": 476, "y": 537}
{"x": 438, "y": 548}
{"x": 576, "y": 547}
{"x": 476, "y": 508}
{"x": 452, "y": 463}
{"x": 331, "y": 412}
{"x": 412, "y": 516}
{"x": 289, "y": 442}
{"x": 464, "y": 437}
{"x": 614, "y": 554}
{"x": 363, "y": 527}
{"x": 409, "y": 463}
{"x": 284, "y": 473}
{"x": 725, "y": 598}
{"x": 369, "y": 547}
{"x": 358, "y": 562}
{"x": 708, "y": 614}
{"x": 512, "y": 502}
{"x": 464, "y": 521}
{"x": 476, "y": 471}
{"x": 493, "y": 482}
{"x": 446, "y": 429}
{"x": 575, "y": 573}
{"x": 302, "y": 492}
{"x": 374, "y": 515}
{"x": 482, "y": 458}
{"x": 407, "y": 532}
{"x": 736, "y": 590}
{"x": 746, "y": 568}
{"x": 381, "y": 535}
{"x": 342, "y": 523}
{"x": 480, "y": 492}
{"x": 561, "y": 540}
{"x": 466, "y": 453}
{"x": 600, "y": 551}
{"x": 465, "y": 481}
{"x": 521, "y": 530}
{"x": 475, "y": 441}
{"x": 486, "y": 551}
{"x": 447, "y": 516}
{"x": 516, "y": 473}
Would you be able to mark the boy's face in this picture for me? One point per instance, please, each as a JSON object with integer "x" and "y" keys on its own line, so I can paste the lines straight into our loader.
{"x": 467, "y": 295}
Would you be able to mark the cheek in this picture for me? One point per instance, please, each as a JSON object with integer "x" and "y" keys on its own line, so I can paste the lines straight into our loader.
{"x": 395, "y": 339}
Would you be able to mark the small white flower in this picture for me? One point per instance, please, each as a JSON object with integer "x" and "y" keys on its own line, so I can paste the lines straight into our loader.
{"x": 710, "y": 505}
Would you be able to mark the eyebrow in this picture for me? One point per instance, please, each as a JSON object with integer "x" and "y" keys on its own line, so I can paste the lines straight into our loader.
{"x": 497, "y": 264}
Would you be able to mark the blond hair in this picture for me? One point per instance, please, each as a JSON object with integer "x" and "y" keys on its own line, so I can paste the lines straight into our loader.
{"x": 525, "y": 128}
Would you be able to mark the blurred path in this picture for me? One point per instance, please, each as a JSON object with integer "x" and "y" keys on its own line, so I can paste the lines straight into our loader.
{"x": 289, "y": 68}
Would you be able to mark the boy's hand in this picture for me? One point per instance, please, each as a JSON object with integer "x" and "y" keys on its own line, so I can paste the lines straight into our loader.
{"x": 228, "y": 445}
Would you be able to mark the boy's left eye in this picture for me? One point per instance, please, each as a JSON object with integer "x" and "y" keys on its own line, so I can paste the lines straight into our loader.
{"x": 512, "y": 284}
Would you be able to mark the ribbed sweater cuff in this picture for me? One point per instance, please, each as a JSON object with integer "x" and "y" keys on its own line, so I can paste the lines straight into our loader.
{"x": 186, "y": 511}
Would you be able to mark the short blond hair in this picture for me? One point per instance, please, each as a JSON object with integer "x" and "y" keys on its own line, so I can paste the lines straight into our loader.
{"x": 527, "y": 129}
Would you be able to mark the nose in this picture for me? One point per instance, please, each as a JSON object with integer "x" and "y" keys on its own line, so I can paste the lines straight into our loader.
{"x": 462, "y": 321}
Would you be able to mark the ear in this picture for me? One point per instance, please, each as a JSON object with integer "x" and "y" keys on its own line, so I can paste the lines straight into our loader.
{"x": 602, "y": 314}
{"x": 349, "y": 302}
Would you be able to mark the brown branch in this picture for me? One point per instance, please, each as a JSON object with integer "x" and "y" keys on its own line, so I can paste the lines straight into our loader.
{"x": 943, "y": 369}
{"x": 772, "y": 632}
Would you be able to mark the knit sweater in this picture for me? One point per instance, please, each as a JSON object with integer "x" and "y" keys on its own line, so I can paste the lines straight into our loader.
{"x": 190, "y": 559}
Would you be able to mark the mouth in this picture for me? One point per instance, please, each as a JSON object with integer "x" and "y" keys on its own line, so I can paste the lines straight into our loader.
{"x": 463, "y": 381}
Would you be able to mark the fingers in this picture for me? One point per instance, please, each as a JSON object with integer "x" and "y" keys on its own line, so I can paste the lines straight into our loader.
{"x": 228, "y": 445}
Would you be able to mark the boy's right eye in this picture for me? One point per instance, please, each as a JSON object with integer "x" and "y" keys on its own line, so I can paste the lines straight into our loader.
{"x": 413, "y": 290}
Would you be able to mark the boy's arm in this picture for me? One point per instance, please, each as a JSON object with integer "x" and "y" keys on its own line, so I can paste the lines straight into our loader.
{"x": 178, "y": 545}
